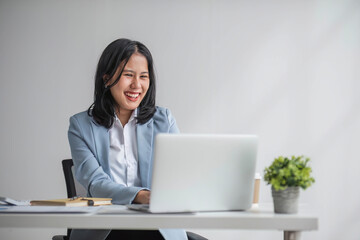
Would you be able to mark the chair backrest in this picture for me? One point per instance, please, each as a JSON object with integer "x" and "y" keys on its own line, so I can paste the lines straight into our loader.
{"x": 73, "y": 187}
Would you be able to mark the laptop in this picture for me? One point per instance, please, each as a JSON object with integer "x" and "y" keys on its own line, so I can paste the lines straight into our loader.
{"x": 201, "y": 172}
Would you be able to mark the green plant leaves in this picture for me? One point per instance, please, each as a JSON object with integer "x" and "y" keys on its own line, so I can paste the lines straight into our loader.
{"x": 289, "y": 172}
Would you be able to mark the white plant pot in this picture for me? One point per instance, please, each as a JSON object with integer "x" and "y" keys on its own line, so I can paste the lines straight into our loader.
{"x": 286, "y": 201}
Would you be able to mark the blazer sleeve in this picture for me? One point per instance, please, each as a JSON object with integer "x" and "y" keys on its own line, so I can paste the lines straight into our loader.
{"x": 88, "y": 170}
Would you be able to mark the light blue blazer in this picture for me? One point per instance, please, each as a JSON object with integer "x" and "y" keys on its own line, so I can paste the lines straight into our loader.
{"x": 90, "y": 146}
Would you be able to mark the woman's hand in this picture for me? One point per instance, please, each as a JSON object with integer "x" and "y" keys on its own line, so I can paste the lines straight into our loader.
{"x": 142, "y": 197}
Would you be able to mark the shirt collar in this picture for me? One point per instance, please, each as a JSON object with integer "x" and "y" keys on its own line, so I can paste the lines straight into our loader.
{"x": 132, "y": 117}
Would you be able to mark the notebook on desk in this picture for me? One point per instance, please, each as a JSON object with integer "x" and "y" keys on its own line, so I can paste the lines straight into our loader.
{"x": 198, "y": 172}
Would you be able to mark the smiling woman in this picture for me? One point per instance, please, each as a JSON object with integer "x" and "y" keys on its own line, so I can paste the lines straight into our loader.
{"x": 111, "y": 143}
{"x": 132, "y": 86}
{"x": 125, "y": 69}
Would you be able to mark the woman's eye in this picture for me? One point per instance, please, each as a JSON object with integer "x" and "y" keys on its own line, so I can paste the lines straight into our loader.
{"x": 128, "y": 75}
{"x": 144, "y": 76}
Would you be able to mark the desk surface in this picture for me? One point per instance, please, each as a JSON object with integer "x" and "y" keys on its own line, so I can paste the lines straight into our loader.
{"x": 256, "y": 218}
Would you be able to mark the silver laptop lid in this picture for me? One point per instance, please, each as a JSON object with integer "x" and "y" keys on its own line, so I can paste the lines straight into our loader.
{"x": 198, "y": 172}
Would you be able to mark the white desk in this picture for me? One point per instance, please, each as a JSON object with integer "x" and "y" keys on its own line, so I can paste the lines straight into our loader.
{"x": 255, "y": 219}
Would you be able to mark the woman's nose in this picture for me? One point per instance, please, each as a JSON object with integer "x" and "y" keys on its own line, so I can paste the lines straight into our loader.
{"x": 136, "y": 83}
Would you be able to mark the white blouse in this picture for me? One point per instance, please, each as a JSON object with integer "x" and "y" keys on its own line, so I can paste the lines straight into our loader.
{"x": 123, "y": 157}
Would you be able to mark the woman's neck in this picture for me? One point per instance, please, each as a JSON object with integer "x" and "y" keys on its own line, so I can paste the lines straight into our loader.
{"x": 124, "y": 116}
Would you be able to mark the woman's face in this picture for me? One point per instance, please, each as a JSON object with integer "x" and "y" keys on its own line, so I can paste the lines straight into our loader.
{"x": 133, "y": 84}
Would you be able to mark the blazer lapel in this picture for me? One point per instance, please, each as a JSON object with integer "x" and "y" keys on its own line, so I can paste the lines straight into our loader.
{"x": 102, "y": 145}
{"x": 144, "y": 134}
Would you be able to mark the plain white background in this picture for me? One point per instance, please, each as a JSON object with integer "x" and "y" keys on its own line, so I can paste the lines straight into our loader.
{"x": 287, "y": 71}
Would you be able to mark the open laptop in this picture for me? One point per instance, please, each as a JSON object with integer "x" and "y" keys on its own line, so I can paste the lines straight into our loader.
{"x": 200, "y": 172}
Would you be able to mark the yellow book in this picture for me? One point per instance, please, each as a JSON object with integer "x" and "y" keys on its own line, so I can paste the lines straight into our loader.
{"x": 73, "y": 202}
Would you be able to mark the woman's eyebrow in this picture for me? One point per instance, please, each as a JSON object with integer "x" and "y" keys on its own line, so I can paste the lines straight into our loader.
{"x": 128, "y": 70}
{"x": 132, "y": 71}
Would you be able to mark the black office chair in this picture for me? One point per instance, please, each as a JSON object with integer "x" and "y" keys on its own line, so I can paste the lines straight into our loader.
{"x": 74, "y": 188}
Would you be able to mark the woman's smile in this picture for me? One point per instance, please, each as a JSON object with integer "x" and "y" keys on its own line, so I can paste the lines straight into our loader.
{"x": 132, "y": 96}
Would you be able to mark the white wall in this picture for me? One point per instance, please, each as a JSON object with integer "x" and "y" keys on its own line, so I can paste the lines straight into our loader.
{"x": 285, "y": 70}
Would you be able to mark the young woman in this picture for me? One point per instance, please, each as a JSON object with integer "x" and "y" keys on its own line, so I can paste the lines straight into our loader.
{"x": 112, "y": 143}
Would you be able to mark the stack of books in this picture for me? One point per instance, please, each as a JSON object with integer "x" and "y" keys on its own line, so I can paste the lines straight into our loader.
{"x": 73, "y": 202}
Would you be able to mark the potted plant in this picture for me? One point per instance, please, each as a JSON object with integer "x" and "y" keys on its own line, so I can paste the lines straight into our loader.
{"x": 287, "y": 176}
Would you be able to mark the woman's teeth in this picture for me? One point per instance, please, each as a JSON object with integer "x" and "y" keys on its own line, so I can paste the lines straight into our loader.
{"x": 132, "y": 95}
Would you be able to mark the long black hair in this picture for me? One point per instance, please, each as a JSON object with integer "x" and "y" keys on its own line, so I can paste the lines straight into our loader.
{"x": 117, "y": 54}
